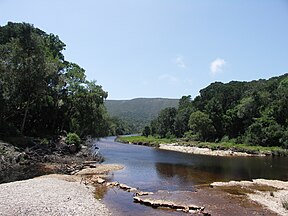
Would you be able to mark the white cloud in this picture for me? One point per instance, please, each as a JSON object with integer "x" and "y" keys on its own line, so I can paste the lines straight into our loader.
{"x": 180, "y": 62}
{"x": 217, "y": 65}
{"x": 168, "y": 77}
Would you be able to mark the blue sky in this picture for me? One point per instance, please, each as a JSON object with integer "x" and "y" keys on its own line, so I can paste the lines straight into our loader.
{"x": 163, "y": 48}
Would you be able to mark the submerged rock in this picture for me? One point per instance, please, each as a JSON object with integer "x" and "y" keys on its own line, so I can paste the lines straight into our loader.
{"x": 178, "y": 200}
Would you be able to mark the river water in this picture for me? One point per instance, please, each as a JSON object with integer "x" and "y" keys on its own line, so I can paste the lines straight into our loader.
{"x": 151, "y": 169}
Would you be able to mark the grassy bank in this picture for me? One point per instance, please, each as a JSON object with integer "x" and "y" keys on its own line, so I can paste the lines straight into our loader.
{"x": 142, "y": 140}
{"x": 154, "y": 141}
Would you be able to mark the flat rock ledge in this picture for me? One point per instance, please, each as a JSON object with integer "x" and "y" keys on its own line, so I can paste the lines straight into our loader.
{"x": 178, "y": 200}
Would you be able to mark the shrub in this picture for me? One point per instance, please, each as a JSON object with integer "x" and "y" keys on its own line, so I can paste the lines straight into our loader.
{"x": 8, "y": 130}
{"x": 190, "y": 136}
{"x": 73, "y": 138}
{"x": 44, "y": 141}
{"x": 225, "y": 139}
{"x": 147, "y": 131}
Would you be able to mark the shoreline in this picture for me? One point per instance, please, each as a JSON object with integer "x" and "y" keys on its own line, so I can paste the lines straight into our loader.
{"x": 206, "y": 151}
{"x": 77, "y": 194}
{"x": 270, "y": 194}
{"x": 57, "y": 194}
{"x": 92, "y": 180}
{"x": 49, "y": 195}
{"x": 212, "y": 149}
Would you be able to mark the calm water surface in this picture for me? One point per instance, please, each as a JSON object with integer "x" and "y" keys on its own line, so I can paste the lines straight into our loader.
{"x": 151, "y": 169}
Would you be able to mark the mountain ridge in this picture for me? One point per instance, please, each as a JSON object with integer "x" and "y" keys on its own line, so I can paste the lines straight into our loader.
{"x": 138, "y": 112}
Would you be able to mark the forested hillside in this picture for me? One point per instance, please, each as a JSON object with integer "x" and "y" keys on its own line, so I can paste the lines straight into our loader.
{"x": 41, "y": 93}
{"x": 137, "y": 113}
{"x": 254, "y": 113}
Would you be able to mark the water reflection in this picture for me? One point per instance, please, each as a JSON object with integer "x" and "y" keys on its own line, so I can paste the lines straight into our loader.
{"x": 154, "y": 169}
{"x": 206, "y": 169}
{"x": 185, "y": 176}
{"x": 151, "y": 168}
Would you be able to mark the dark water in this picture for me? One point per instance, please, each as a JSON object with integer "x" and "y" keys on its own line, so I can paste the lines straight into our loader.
{"x": 152, "y": 169}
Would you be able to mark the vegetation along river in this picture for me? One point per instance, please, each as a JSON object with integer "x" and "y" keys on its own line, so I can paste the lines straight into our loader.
{"x": 152, "y": 169}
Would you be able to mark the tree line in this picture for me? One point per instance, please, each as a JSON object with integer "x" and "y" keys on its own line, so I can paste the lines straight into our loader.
{"x": 134, "y": 114}
{"x": 254, "y": 113}
{"x": 41, "y": 92}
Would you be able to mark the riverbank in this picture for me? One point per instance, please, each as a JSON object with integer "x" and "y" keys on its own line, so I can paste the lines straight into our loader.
{"x": 271, "y": 194}
{"x": 204, "y": 148}
{"x": 49, "y": 196}
{"x": 36, "y": 159}
{"x": 205, "y": 151}
{"x": 56, "y": 194}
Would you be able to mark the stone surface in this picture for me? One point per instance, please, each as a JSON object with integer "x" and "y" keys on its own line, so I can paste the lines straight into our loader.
{"x": 49, "y": 196}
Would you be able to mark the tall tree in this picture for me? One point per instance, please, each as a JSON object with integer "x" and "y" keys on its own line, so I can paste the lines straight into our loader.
{"x": 182, "y": 117}
{"x": 27, "y": 67}
{"x": 165, "y": 122}
{"x": 201, "y": 125}
{"x": 42, "y": 93}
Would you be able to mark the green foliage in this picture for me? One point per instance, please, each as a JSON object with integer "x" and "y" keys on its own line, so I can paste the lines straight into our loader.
{"x": 118, "y": 127}
{"x": 201, "y": 124}
{"x": 8, "y": 130}
{"x": 150, "y": 140}
{"x": 42, "y": 93}
{"x": 265, "y": 132}
{"x": 44, "y": 141}
{"x": 137, "y": 113}
{"x": 146, "y": 132}
{"x": 190, "y": 136}
{"x": 182, "y": 117}
{"x": 73, "y": 138}
{"x": 164, "y": 124}
{"x": 255, "y": 113}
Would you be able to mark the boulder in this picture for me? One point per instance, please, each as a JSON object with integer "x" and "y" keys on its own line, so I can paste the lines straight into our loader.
{"x": 72, "y": 148}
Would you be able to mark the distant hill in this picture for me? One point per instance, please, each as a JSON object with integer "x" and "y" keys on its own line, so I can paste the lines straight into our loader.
{"x": 140, "y": 111}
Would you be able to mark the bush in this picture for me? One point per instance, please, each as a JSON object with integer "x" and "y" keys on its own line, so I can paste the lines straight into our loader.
{"x": 44, "y": 141}
{"x": 169, "y": 135}
{"x": 73, "y": 138}
{"x": 8, "y": 130}
{"x": 190, "y": 136}
{"x": 147, "y": 131}
{"x": 225, "y": 139}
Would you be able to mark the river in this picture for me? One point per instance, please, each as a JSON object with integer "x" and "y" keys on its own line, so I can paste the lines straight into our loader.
{"x": 151, "y": 169}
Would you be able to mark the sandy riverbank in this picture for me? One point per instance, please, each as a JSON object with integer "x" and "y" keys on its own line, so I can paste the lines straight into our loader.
{"x": 55, "y": 194}
{"x": 204, "y": 151}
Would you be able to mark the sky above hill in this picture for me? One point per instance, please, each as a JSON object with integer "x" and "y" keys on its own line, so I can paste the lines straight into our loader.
{"x": 163, "y": 48}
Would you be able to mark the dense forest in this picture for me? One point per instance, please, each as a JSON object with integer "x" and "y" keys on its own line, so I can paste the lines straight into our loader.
{"x": 133, "y": 115}
{"x": 254, "y": 113}
{"x": 42, "y": 93}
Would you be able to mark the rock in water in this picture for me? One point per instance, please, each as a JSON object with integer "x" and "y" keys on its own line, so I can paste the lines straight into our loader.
{"x": 178, "y": 200}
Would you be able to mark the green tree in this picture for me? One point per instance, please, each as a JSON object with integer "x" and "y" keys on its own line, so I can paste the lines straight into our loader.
{"x": 265, "y": 132}
{"x": 146, "y": 132}
{"x": 201, "y": 124}
{"x": 27, "y": 68}
{"x": 182, "y": 117}
{"x": 165, "y": 122}
{"x": 40, "y": 92}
